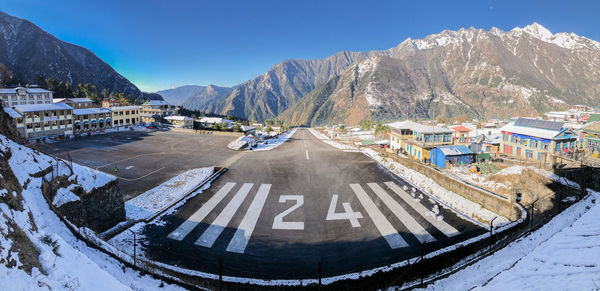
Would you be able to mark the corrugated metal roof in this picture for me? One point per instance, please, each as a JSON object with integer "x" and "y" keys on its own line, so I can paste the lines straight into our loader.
{"x": 124, "y": 107}
{"x": 178, "y": 117}
{"x": 41, "y": 107}
{"x": 537, "y": 123}
{"x": 530, "y": 131}
{"x": 455, "y": 150}
{"x": 12, "y": 113}
{"x": 90, "y": 111}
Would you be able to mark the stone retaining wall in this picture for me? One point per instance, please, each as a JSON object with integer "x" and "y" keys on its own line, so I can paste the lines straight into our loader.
{"x": 504, "y": 207}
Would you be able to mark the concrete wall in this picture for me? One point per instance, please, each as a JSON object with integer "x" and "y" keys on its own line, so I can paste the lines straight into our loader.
{"x": 504, "y": 207}
{"x": 99, "y": 209}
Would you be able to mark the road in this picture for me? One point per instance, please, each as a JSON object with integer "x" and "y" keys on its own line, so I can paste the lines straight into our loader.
{"x": 279, "y": 214}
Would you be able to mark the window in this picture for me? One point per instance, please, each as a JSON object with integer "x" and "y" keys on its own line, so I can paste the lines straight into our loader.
{"x": 533, "y": 143}
{"x": 514, "y": 139}
{"x": 69, "y": 121}
{"x": 529, "y": 154}
{"x": 545, "y": 145}
{"x": 523, "y": 141}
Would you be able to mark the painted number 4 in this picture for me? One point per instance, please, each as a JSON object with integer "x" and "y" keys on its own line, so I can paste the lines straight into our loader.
{"x": 347, "y": 214}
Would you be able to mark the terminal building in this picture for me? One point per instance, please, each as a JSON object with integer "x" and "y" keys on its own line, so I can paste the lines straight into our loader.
{"x": 125, "y": 115}
{"x": 76, "y": 103}
{"x": 43, "y": 120}
{"x": 21, "y": 96}
{"x": 91, "y": 119}
{"x": 156, "y": 111}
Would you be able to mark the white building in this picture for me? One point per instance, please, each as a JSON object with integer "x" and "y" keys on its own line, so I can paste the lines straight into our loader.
{"x": 20, "y": 96}
{"x": 44, "y": 120}
{"x": 180, "y": 121}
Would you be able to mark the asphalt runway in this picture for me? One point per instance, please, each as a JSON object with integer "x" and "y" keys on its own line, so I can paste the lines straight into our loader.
{"x": 280, "y": 214}
{"x": 146, "y": 160}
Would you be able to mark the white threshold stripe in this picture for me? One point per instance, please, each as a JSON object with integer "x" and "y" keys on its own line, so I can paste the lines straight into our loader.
{"x": 411, "y": 224}
{"x": 443, "y": 226}
{"x": 210, "y": 235}
{"x": 242, "y": 235}
{"x": 186, "y": 227}
{"x": 386, "y": 229}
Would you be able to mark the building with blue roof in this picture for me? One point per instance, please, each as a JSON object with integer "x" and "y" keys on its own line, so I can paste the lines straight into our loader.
{"x": 444, "y": 156}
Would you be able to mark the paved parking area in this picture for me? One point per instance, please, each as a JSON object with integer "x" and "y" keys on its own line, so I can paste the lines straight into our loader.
{"x": 145, "y": 160}
{"x": 281, "y": 213}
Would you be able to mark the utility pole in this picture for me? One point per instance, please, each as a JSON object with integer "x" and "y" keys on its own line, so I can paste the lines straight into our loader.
{"x": 531, "y": 213}
{"x": 492, "y": 232}
{"x": 134, "y": 249}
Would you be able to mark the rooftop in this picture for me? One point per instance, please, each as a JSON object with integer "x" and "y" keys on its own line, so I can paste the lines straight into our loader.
{"x": 461, "y": 128}
{"x": 74, "y": 100}
{"x": 531, "y": 131}
{"x": 178, "y": 117}
{"x": 455, "y": 150}
{"x": 12, "y": 113}
{"x": 538, "y": 123}
{"x": 29, "y": 90}
{"x": 124, "y": 107}
{"x": 42, "y": 107}
{"x": 90, "y": 111}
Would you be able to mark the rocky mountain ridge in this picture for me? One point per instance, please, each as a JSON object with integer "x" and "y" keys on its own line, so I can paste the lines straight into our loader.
{"x": 525, "y": 71}
{"x": 30, "y": 53}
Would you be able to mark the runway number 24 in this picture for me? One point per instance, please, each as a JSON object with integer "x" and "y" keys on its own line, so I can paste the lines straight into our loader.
{"x": 348, "y": 213}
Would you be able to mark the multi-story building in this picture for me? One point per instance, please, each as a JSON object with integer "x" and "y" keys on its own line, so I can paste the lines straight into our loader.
{"x": 21, "y": 96}
{"x": 44, "y": 120}
{"x": 125, "y": 115}
{"x": 417, "y": 140}
{"x": 91, "y": 119}
{"x": 180, "y": 121}
{"x": 591, "y": 139}
{"x": 534, "y": 139}
{"x": 76, "y": 103}
{"x": 156, "y": 111}
{"x": 109, "y": 102}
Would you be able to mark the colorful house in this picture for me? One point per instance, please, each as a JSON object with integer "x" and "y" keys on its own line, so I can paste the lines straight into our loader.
{"x": 535, "y": 139}
{"x": 460, "y": 135}
{"x": 445, "y": 156}
{"x": 416, "y": 140}
{"x": 591, "y": 139}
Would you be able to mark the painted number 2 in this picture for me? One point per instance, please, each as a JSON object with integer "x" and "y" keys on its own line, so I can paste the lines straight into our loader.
{"x": 347, "y": 214}
{"x": 278, "y": 222}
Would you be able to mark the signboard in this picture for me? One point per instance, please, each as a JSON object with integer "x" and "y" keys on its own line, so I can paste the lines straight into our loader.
{"x": 50, "y": 118}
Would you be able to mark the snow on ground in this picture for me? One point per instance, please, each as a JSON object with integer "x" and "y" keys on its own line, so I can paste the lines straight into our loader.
{"x": 561, "y": 255}
{"x": 455, "y": 201}
{"x": 65, "y": 195}
{"x": 238, "y": 143}
{"x": 66, "y": 262}
{"x": 476, "y": 179}
{"x": 156, "y": 199}
{"x": 329, "y": 141}
{"x": 271, "y": 143}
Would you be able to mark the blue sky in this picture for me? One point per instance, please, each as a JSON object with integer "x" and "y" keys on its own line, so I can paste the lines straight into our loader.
{"x": 159, "y": 44}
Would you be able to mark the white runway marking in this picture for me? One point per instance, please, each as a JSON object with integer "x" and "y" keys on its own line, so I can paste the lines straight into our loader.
{"x": 278, "y": 222}
{"x": 129, "y": 167}
{"x": 210, "y": 235}
{"x": 411, "y": 224}
{"x": 242, "y": 235}
{"x": 186, "y": 227}
{"x": 444, "y": 227}
{"x": 386, "y": 229}
{"x": 305, "y": 148}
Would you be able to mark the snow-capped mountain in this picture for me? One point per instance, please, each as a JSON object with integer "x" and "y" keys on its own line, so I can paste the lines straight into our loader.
{"x": 476, "y": 72}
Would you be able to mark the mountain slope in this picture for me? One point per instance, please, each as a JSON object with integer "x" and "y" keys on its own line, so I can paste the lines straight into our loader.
{"x": 176, "y": 96}
{"x": 28, "y": 51}
{"x": 481, "y": 73}
{"x": 267, "y": 95}
{"x": 210, "y": 99}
